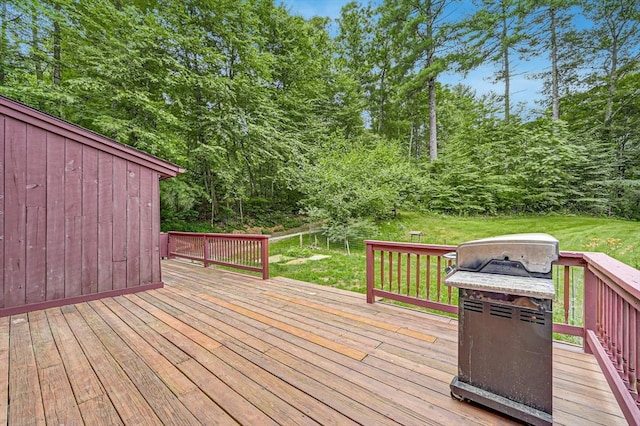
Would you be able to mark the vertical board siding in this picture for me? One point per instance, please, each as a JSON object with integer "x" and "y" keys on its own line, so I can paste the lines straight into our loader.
{"x": 89, "y": 220}
{"x": 55, "y": 216}
{"x": 73, "y": 219}
{"x": 15, "y": 212}
{"x": 105, "y": 222}
{"x": 133, "y": 225}
{"x": 146, "y": 226}
{"x": 2, "y": 258}
{"x": 120, "y": 220}
{"x": 36, "y": 226}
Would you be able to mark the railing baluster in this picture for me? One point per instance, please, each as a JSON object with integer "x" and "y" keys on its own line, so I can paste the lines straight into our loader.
{"x": 636, "y": 338}
{"x": 449, "y": 288}
{"x": 224, "y": 256}
{"x": 633, "y": 350}
{"x": 398, "y": 272}
{"x": 625, "y": 344}
{"x": 428, "y": 278}
{"x": 439, "y": 275}
{"x": 391, "y": 270}
{"x": 607, "y": 319}
{"x": 599, "y": 312}
{"x": 408, "y": 272}
{"x": 417, "y": 276}
{"x": 613, "y": 335}
{"x": 373, "y": 253}
{"x": 566, "y": 294}
{"x": 205, "y": 247}
{"x": 619, "y": 335}
{"x": 613, "y": 328}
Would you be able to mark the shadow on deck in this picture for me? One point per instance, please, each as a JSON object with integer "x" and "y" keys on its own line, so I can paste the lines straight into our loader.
{"x": 216, "y": 347}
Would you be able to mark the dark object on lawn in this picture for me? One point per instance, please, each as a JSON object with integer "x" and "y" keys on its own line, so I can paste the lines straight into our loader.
{"x": 417, "y": 234}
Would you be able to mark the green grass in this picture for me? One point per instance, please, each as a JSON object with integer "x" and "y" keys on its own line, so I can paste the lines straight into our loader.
{"x": 620, "y": 239}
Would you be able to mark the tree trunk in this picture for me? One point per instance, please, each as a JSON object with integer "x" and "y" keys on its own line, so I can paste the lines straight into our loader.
{"x": 612, "y": 80}
{"x": 555, "y": 95}
{"x": 35, "y": 45}
{"x": 410, "y": 142}
{"x": 433, "y": 128}
{"x": 57, "y": 73}
{"x": 505, "y": 64}
{"x": 3, "y": 40}
{"x": 214, "y": 203}
{"x": 382, "y": 100}
{"x": 431, "y": 89}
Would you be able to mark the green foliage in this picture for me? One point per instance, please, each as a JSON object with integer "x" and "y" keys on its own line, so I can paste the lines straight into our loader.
{"x": 507, "y": 167}
{"x": 269, "y": 114}
{"x": 358, "y": 179}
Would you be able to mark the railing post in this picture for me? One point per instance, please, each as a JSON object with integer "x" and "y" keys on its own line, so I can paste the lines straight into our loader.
{"x": 172, "y": 244}
{"x": 205, "y": 241}
{"x": 591, "y": 308}
{"x": 265, "y": 258}
{"x": 370, "y": 272}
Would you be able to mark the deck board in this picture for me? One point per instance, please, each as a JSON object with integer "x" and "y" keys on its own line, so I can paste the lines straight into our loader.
{"x": 4, "y": 369}
{"x": 61, "y": 407}
{"x": 25, "y": 398}
{"x": 215, "y": 347}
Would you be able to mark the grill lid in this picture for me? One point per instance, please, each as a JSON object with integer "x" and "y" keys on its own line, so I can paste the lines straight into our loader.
{"x": 516, "y": 254}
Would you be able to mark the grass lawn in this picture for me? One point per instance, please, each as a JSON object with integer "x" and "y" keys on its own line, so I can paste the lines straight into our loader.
{"x": 618, "y": 238}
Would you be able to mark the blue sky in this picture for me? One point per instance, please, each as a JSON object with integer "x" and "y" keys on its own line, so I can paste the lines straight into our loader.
{"x": 523, "y": 90}
{"x": 309, "y": 8}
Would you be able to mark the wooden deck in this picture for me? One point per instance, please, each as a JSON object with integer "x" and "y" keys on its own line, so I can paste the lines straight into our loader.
{"x": 221, "y": 348}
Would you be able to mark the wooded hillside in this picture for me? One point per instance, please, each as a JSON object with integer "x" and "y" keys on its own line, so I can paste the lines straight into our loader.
{"x": 345, "y": 121}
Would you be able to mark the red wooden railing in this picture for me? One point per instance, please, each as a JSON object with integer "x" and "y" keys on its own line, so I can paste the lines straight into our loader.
{"x": 597, "y": 298}
{"x": 614, "y": 338}
{"x": 240, "y": 251}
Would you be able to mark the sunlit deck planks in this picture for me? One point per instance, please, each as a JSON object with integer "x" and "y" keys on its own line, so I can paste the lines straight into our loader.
{"x": 222, "y": 348}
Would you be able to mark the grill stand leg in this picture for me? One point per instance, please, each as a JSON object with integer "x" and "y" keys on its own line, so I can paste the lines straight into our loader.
{"x": 464, "y": 391}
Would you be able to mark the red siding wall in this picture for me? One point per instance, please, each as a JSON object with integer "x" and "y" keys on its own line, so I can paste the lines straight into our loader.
{"x": 75, "y": 221}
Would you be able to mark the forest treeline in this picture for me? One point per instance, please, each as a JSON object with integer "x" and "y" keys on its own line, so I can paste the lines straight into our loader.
{"x": 273, "y": 114}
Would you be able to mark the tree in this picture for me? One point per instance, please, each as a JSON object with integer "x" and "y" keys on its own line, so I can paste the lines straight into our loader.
{"x": 613, "y": 50}
{"x": 497, "y": 29}
{"x": 358, "y": 179}
{"x": 422, "y": 47}
{"x": 552, "y": 31}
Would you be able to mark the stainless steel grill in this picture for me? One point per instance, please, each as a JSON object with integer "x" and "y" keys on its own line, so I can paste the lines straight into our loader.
{"x": 505, "y": 324}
